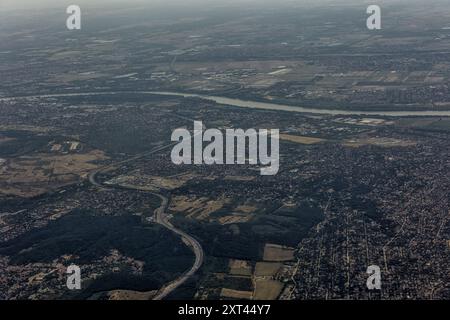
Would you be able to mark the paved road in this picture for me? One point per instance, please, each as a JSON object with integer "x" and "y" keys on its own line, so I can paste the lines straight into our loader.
{"x": 161, "y": 218}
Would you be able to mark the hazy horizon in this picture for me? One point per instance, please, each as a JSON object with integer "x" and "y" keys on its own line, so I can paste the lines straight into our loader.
{"x": 27, "y": 4}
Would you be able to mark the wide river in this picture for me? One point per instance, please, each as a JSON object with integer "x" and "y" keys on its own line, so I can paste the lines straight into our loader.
{"x": 250, "y": 104}
{"x": 282, "y": 107}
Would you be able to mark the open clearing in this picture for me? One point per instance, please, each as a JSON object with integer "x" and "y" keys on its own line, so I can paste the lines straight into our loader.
{"x": 267, "y": 289}
{"x": 267, "y": 269}
{"x": 130, "y": 295}
{"x": 380, "y": 142}
{"x": 240, "y": 267}
{"x": 158, "y": 182}
{"x": 275, "y": 252}
{"x": 29, "y": 176}
{"x": 235, "y": 218}
{"x": 236, "y": 294}
{"x": 197, "y": 208}
{"x": 300, "y": 139}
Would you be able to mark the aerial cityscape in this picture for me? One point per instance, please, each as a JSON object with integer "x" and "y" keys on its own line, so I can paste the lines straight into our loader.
{"x": 125, "y": 172}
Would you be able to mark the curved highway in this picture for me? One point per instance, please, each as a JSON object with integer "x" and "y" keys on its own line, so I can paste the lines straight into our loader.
{"x": 160, "y": 217}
